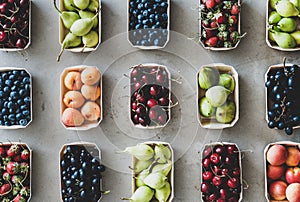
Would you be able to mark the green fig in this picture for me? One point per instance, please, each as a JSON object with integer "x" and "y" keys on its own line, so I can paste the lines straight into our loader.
{"x": 139, "y": 181}
{"x": 274, "y": 18}
{"x": 155, "y": 180}
{"x": 69, "y": 5}
{"x": 286, "y": 9}
{"x": 81, "y": 4}
{"x": 67, "y": 17}
{"x": 142, "y": 165}
{"x": 164, "y": 168}
{"x": 217, "y": 95}
{"x": 227, "y": 81}
{"x": 141, "y": 151}
{"x": 208, "y": 77}
{"x": 226, "y": 112}
{"x": 287, "y": 25}
{"x": 141, "y": 194}
{"x": 296, "y": 36}
{"x": 83, "y": 26}
{"x": 93, "y": 6}
{"x": 86, "y": 14}
{"x": 163, "y": 193}
{"x": 162, "y": 153}
{"x": 205, "y": 107}
{"x": 273, "y": 3}
{"x": 284, "y": 40}
{"x": 69, "y": 41}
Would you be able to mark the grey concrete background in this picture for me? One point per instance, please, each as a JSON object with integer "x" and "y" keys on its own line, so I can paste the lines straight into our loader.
{"x": 114, "y": 56}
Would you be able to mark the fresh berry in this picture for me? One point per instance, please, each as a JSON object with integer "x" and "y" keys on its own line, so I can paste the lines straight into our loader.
{"x": 235, "y": 9}
{"x": 210, "y": 4}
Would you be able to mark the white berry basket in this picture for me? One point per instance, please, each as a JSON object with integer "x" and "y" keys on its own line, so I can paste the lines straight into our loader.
{"x": 29, "y": 174}
{"x": 148, "y": 47}
{"x": 284, "y": 143}
{"x": 211, "y": 123}
{"x": 170, "y": 175}
{"x": 63, "y": 90}
{"x": 19, "y": 126}
{"x": 219, "y": 48}
{"x": 269, "y": 102}
{"x": 131, "y": 90}
{"x": 29, "y": 32}
{"x": 90, "y": 147}
{"x": 64, "y": 31}
{"x": 270, "y": 43}
{"x": 239, "y": 160}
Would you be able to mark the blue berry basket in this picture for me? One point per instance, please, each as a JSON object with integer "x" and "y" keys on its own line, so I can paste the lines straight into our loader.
{"x": 16, "y": 98}
{"x": 148, "y": 25}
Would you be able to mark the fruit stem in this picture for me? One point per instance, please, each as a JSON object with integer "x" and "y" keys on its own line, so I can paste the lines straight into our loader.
{"x": 245, "y": 184}
{"x": 55, "y": 6}
{"x": 61, "y": 52}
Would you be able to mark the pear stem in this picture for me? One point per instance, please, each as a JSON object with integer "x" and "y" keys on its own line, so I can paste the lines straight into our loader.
{"x": 60, "y": 53}
{"x": 55, "y": 6}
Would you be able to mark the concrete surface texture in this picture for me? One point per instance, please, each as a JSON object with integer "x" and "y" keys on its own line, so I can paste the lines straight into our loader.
{"x": 114, "y": 57}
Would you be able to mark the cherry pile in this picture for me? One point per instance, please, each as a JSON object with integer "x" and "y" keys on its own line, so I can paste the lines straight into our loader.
{"x": 81, "y": 174}
{"x": 14, "y": 23}
{"x": 150, "y": 95}
{"x": 221, "y": 173}
{"x": 283, "y": 96}
{"x": 15, "y": 98}
{"x": 148, "y": 22}
{"x": 219, "y": 23}
{"x": 14, "y": 172}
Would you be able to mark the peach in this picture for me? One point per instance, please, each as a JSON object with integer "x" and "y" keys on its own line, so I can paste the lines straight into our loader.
{"x": 293, "y": 158}
{"x": 90, "y": 92}
{"x": 90, "y": 75}
{"x": 275, "y": 172}
{"x": 91, "y": 111}
{"x": 276, "y": 155}
{"x": 73, "y": 81}
{"x": 292, "y": 175}
{"x": 277, "y": 190}
{"x": 293, "y": 192}
{"x": 73, "y": 99}
{"x": 72, "y": 117}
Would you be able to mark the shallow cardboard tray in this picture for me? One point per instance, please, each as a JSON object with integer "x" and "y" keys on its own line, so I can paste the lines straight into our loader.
{"x": 63, "y": 31}
{"x": 211, "y": 123}
{"x": 266, "y": 90}
{"x": 219, "y": 48}
{"x": 61, "y": 154}
{"x": 150, "y": 65}
{"x": 4, "y": 69}
{"x": 170, "y": 175}
{"x": 240, "y": 163}
{"x": 148, "y": 47}
{"x": 286, "y": 143}
{"x": 30, "y": 161}
{"x": 270, "y": 43}
{"x": 86, "y": 125}
{"x": 29, "y": 33}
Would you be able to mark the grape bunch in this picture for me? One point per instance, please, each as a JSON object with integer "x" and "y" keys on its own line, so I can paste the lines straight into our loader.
{"x": 283, "y": 95}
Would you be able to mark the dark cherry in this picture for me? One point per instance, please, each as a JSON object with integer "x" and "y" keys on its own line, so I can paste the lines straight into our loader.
{"x": 232, "y": 182}
{"x": 207, "y": 151}
{"x": 138, "y": 85}
{"x": 212, "y": 197}
{"x": 223, "y": 193}
{"x": 231, "y": 149}
{"x": 151, "y": 103}
{"x": 162, "y": 118}
{"x": 154, "y": 90}
{"x": 217, "y": 180}
{"x": 163, "y": 101}
{"x": 2, "y": 36}
{"x": 20, "y": 43}
{"x": 134, "y": 106}
{"x": 160, "y": 78}
{"x": 205, "y": 187}
{"x": 135, "y": 72}
{"x": 153, "y": 114}
{"x": 206, "y": 163}
{"x": 215, "y": 158}
{"x": 224, "y": 171}
{"x": 207, "y": 175}
{"x": 236, "y": 172}
{"x": 140, "y": 110}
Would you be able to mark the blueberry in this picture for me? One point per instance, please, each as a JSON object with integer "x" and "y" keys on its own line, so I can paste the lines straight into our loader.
{"x": 23, "y": 122}
{"x": 16, "y": 72}
{"x": 164, "y": 5}
{"x": 26, "y": 113}
{"x": 4, "y": 76}
{"x": 27, "y": 87}
{"x": 4, "y": 111}
{"x": 2, "y": 94}
{"x": 7, "y": 123}
{"x": 289, "y": 130}
{"x": 140, "y": 6}
{"x": 26, "y": 80}
{"x": 145, "y": 13}
{"x": 14, "y": 95}
{"x": 8, "y": 82}
{"x": 81, "y": 184}
{"x": 95, "y": 181}
{"x": 138, "y": 26}
{"x": 12, "y": 77}
{"x": 165, "y": 16}
{"x": 101, "y": 168}
{"x": 82, "y": 194}
{"x": 272, "y": 124}
{"x": 156, "y": 42}
{"x": 27, "y": 99}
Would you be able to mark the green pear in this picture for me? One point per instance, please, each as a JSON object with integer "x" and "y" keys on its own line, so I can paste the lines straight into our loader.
{"x": 69, "y": 5}
{"x": 206, "y": 109}
{"x": 270, "y": 36}
{"x": 69, "y": 41}
{"x": 91, "y": 39}
{"x": 86, "y": 14}
{"x": 284, "y": 40}
{"x": 287, "y": 25}
{"x": 208, "y": 77}
{"x": 83, "y": 26}
{"x": 296, "y": 36}
{"x": 226, "y": 112}
{"x": 141, "y": 194}
{"x": 296, "y": 3}
{"x": 163, "y": 193}
{"x": 273, "y": 3}
{"x": 67, "y": 17}
{"x": 286, "y": 9}
{"x": 93, "y": 6}
{"x": 81, "y": 4}
{"x": 139, "y": 181}
{"x": 217, "y": 95}
{"x": 227, "y": 81}
{"x": 274, "y": 18}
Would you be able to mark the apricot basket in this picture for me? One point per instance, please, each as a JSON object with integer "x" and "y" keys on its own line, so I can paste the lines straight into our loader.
{"x": 85, "y": 98}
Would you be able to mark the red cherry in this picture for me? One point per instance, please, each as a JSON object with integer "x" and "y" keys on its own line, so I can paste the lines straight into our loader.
{"x": 231, "y": 149}
{"x": 223, "y": 193}
{"x": 153, "y": 71}
{"x": 232, "y": 182}
{"x": 134, "y": 106}
{"x": 220, "y": 200}
{"x": 138, "y": 85}
{"x": 145, "y": 79}
{"x": 219, "y": 150}
{"x": 162, "y": 118}
{"x": 136, "y": 119}
{"x": 217, "y": 181}
{"x": 236, "y": 172}
{"x": 14, "y": 19}
{"x": 212, "y": 197}
{"x": 207, "y": 151}
{"x": 233, "y": 199}
{"x": 2, "y": 36}
{"x": 135, "y": 72}
{"x": 205, "y": 187}
{"x": 140, "y": 98}
{"x": 163, "y": 101}
{"x": 141, "y": 111}
{"x": 3, "y": 8}
{"x": 207, "y": 175}
{"x": 154, "y": 90}
{"x": 206, "y": 162}
{"x": 160, "y": 78}
{"x": 153, "y": 114}
{"x": 217, "y": 170}
{"x": 224, "y": 171}
{"x": 151, "y": 102}
{"x": 215, "y": 158}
